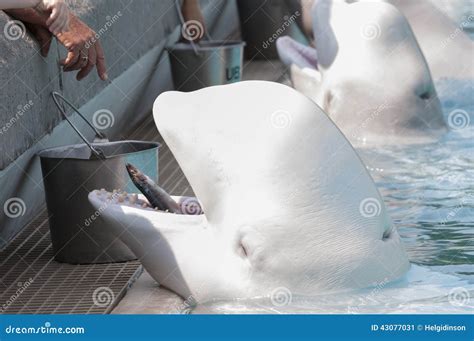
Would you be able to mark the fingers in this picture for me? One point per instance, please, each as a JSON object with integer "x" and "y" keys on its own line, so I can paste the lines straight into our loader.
{"x": 80, "y": 62}
{"x": 71, "y": 58}
{"x": 101, "y": 67}
{"x": 96, "y": 58}
{"x": 84, "y": 52}
{"x": 90, "y": 65}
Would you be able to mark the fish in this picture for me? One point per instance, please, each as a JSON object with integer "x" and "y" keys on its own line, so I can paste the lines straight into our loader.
{"x": 157, "y": 196}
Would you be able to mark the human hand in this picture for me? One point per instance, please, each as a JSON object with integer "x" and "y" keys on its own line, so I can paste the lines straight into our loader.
{"x": 84, "y": 50}
{"x": 58, "y": 20}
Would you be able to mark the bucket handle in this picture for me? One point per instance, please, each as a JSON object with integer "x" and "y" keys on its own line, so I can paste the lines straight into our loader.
{"x": 96, "y": 151}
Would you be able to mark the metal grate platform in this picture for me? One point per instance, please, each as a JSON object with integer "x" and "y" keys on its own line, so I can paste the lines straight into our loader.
{"x": 33, "y": 283}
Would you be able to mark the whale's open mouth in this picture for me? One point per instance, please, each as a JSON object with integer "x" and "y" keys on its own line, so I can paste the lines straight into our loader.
{"x": 104, "y": 199}
{"x": 152, "y": 198}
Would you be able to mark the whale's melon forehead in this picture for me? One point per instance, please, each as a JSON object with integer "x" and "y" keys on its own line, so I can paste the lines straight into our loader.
{"x": 261, "y": 149}
{"x": 242, "y": 117}
{"x": 367, "y": 32}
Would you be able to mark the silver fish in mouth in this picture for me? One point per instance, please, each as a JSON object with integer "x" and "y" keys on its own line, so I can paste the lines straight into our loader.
{"x": 156, "y": 195}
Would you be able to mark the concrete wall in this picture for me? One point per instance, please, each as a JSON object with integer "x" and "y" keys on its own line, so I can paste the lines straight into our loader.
{"x": 136, "y": 33}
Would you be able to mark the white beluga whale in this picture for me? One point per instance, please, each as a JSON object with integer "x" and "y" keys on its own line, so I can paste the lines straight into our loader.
{"x": 444, "y": 42}
{"x": 287, "y": 202}
{"x": 449, "y": 52}
{"x": 367, "y": 72}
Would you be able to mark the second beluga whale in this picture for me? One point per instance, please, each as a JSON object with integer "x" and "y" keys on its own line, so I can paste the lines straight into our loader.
{"x": 367, "y": 73}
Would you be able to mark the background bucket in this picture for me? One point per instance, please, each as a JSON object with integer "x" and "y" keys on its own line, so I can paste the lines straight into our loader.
{"x": 195, "y": 66}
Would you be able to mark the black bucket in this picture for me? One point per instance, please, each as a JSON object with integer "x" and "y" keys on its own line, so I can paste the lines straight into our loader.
{"x": 78, "y": 234}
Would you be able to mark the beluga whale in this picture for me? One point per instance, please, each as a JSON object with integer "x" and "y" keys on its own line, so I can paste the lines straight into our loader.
{"x": 367, "y": 73}
{"x": 283, "y": 200}
{"x": 448, "y": 49}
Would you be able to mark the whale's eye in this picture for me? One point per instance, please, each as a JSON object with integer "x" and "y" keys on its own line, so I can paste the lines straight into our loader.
{"x": 387, "y": 234}
{"x": 425, "y": 95}
{"x": 425, "y": 91}
{"x": 328, "y": 101}
{"x": 242, "y": 250}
